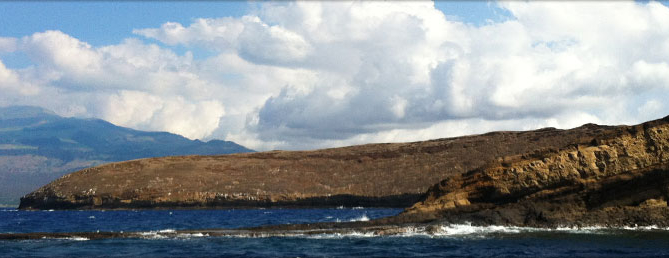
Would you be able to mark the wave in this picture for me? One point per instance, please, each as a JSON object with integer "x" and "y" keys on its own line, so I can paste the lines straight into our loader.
{"x": 158, "y": 234}
{"x": 432, "y": 231}
{"x": 191, "y": 235}
{"x": 469, "y": 231}
{"x": 76, "y": 238}
{"x": 456, "y": 230}
{"x": 361, "y": 218}
{"x": 72, "y": 238}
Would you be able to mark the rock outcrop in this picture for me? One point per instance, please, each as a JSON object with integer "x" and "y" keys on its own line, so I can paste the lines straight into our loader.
{"x": 373, "y": 175}
{"x": 620, "y": 178}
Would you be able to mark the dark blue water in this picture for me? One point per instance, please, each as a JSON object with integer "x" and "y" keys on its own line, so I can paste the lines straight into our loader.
{"x": 451, "y": 240}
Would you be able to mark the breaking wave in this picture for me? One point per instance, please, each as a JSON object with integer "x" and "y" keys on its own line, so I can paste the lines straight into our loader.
{"x": 361, "y": 218}
{"x": 463, "y": 231}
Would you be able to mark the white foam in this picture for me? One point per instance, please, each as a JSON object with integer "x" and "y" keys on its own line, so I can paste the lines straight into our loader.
{"x": 157, "y": 234}
{"x": 152, "y": 235}
{"x": 361, "y": 218}
{"x": 468, "y": 229}
{"x": 187, "y": 235}
{"x": 76, "y": 238}
{"x": 582, "y": 230}
{"x": 340, "y": 235}
{"x": 482, "y": 231}
{"x": 646, "y": 228}
{"x": 434, "y": 231}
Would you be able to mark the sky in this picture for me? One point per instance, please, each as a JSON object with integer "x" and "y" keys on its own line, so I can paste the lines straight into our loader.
{"x": 307, "y": 75}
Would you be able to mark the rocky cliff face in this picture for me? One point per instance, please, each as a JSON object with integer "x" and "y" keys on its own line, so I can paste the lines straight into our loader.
{"x": 619, "y": 178}
{"x": 374, "y": 175}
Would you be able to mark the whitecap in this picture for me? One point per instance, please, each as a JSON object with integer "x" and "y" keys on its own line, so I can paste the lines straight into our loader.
{"x": 152, "y": 235}
{"x": 76, "y": 238}
{"x": 73, "y": 238}
{"x": 187, "y": 235}
{"x": 581, "y": 230}
{"x": 354, "y": 234}
{"x": 645, "y": 228}
{"x": 361, "y": 218}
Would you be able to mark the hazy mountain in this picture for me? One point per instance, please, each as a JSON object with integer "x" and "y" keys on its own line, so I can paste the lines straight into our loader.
{"x": 38, "y": 146}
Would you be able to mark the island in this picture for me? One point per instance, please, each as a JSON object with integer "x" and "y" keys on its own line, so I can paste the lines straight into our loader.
{"x": 372, "y": 175}
{"x": 590, "y": 175}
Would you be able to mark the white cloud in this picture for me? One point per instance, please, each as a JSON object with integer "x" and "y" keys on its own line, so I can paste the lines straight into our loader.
{"x": 13, "y": 86}
{"x": 63, "y": 53}
{"x": 310, "y": 74}
{"x": 7, "y": 44}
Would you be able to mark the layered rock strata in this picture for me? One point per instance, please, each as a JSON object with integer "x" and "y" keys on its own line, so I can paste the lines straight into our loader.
{"x": 618, "y": 179}
{"x": 373, "y": 175}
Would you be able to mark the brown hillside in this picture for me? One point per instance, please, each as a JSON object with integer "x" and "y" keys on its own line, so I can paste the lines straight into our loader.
{"x": 391, "y": 175}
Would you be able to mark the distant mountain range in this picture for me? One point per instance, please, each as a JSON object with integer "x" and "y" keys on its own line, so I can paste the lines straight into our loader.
{"x": 38, "y": 146}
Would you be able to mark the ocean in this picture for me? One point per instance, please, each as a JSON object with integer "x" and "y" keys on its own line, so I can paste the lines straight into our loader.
{"x": 450, "y": 240}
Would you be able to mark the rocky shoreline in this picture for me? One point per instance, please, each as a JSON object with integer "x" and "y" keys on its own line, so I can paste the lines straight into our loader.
{"x": 620, "y": 178}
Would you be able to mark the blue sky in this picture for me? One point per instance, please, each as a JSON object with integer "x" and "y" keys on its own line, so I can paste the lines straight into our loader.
{"x": 304, "y": 75}
{"x": 109, "y": 22}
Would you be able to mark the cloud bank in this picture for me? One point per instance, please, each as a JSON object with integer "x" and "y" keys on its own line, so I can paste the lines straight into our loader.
{"x": 308, "y": 75}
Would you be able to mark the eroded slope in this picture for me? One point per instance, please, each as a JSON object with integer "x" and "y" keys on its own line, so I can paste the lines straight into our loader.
{"x": 391, "y": 175}
{"x": 618, "y": 179}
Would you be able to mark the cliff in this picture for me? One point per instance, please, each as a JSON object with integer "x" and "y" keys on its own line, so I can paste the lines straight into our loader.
{"x": 373, "y": 175}
{"x": 620, "y": 178}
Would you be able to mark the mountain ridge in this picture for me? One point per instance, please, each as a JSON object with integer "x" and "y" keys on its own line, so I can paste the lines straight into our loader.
{"x": 37, "y": 146}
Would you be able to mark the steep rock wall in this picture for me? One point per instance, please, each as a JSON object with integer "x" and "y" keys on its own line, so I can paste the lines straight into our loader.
{"x": 620, "y": 178}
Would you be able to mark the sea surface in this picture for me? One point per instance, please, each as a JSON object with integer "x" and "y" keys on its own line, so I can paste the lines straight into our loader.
{"x": 450, "y": 240}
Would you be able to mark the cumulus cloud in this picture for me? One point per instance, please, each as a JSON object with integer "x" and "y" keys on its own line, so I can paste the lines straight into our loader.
{"x": 7, "y": 44}
{"x": 13, "y": 86}
{"x": 176, "y": 114}
{"x": 303, "y": 75}
{"x": 131, "y": 84}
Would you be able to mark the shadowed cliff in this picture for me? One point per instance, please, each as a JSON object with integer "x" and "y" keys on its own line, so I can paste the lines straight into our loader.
{"x": 620, "y": 178}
